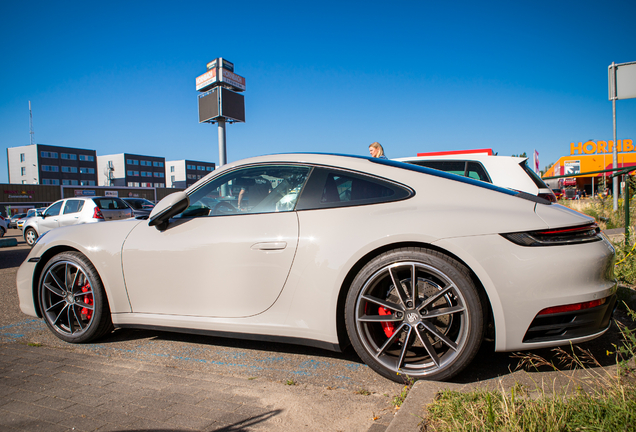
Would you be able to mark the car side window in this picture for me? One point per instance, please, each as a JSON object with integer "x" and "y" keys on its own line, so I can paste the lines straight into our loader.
{"x": 329, "y": 188}
{"x": 343, "y": 188}
{"x": 73, "y": 206}
{"x": 54, "y": 210}
{"x": 476, "y": 170}
{"x": 259, "y": 189}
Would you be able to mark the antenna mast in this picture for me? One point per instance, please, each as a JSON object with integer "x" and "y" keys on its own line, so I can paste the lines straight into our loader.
{"x": 31, "y": 124}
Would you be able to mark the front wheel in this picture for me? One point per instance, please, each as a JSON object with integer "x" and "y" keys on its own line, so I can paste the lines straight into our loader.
{"x": 72, "y": 299}
{"x": 30, "y": 236}
{"x": 415, "y": 312}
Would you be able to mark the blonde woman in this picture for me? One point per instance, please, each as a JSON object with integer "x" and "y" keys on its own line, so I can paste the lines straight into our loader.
{"x": 377, "y": 151}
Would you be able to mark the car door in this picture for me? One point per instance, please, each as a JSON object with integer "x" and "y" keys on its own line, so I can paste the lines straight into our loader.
{"x": 50, "y": 219}
{"x": 223, "y": 256}
{"x": 71, "y": 212}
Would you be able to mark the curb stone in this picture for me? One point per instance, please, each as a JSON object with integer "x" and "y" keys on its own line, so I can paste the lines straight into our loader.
{"x": 413, "y": 411}
{"x": 8, "y": 242}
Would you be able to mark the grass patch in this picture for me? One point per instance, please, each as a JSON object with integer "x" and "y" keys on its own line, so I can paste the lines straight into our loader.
{"x": 34, "y": 344}
{"x": 291, "y": 382}
{"x": 599, "y": 401}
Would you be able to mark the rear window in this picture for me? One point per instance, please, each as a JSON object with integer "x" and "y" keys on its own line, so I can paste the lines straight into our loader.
{"x": 110, "y": 204}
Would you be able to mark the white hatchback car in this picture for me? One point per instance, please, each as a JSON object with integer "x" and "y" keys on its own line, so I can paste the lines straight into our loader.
{"x": 505, "y": 171}
{"x": 72, "y": 211}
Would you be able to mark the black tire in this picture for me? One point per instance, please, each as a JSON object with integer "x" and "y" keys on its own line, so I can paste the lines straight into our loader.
{"x": 72, "y": 299}
{"x": 30, "y": 236}
{"x": 2, "y": 232}
{"x": 432, "y": 333}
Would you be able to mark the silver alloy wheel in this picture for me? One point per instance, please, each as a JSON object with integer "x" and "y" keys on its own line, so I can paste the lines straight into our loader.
{"x": 67, "y": 299}
{"x": 415, "y": 329}
{"x": 30, "y": 236}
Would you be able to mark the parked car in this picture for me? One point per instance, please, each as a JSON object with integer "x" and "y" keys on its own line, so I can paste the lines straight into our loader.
{"x": 29, "y": 214}
{"x": 411, "y": 265}
{"x": 13, "y": 221}
{"x": 141, "y": 207}
{"x": 4, "y": 226}
{"x": 73, "y": 211}
{"x": 505, "y": 171}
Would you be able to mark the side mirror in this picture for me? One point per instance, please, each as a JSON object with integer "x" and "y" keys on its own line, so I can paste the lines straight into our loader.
{"x": 170, "y": 206}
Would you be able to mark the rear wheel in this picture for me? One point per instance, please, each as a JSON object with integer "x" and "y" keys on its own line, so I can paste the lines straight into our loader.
{"x": 72, "y": 299}
{"x": 30, "y": 236}
{"x": 415, "y": 312}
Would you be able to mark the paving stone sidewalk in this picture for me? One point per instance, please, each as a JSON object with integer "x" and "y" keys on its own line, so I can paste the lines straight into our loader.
{"x": 54, "y": 390}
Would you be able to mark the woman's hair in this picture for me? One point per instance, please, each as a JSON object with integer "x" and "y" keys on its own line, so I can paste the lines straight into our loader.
{"x": 378, "y": 146}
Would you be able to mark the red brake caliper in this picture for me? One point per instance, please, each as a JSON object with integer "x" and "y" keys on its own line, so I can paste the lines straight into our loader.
{"x": 88, "y": 299}
{"x": 389, "y": 327}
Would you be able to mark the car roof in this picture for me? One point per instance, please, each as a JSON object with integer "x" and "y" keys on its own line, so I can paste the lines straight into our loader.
{"x": 505, "y": 171}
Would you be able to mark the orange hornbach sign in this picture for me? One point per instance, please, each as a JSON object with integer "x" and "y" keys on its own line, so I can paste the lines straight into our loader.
{"x": 592, "y": 147}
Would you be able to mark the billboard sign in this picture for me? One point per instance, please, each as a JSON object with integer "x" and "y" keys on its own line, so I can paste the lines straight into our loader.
{"x": 622, "y": 81}
{"x": 206, "y": 80}
{"x": 221, "y": 62}
{"x": 236, "y": 81}
{"x": 221, "y": 103}
{"x": 571, "y": 167}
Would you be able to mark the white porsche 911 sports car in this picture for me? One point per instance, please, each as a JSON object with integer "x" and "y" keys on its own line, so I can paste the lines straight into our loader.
{"x": 412, "y": 266}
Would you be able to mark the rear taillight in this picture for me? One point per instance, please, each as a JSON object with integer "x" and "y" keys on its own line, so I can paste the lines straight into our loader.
{"x": 572, "y": 307}
{"x": 557, "y": 236}
{"x": 97, "y": 213}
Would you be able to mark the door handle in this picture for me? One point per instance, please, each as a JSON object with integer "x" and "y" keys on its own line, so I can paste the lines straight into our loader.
{"x": 269, "y": 246}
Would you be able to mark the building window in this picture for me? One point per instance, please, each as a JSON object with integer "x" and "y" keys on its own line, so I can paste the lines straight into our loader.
{"x": 160, "y": 185}
{"x": 172, "y": 168}
{"x": 23, "y": 171}
{"x": 87, "y": 183}
{"x": 50, "y": 155}
{"x": 50, "y": 181}
{"x": 172, "y": 179}
{"x": 132, "y": 161}
{"x": 87, "y": 170}
{"x": 22, "y": 157}
{"x": 159, "y": 174}
{"x": 50, "y": 168}
{"x": 210, "y": 168}
{"x": 190, "y": 167}
{"x": 68, "y": 169}
{"x": 86, "y": 158}
{"x": 68, "y": 156}
{"x": 70, "y": 182}
{"x": 24, "y": 182}
{"x": 158, "y": 164}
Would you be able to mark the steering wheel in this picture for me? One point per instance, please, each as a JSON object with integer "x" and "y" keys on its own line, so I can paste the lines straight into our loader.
{"x": 224, "y": 208}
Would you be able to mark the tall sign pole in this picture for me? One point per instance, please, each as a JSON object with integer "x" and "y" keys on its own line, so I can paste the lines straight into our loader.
{"x": 622, "y": 85}
{"x": 219, "y": 100}
{"x": 222, "y": 148}
{"x": 615, "y": 150}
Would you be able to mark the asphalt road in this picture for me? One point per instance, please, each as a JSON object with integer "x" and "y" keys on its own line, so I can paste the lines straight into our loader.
{"x": 249, "y": 360}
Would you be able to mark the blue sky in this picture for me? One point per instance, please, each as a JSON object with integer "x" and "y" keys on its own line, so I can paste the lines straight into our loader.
{"x": 417, "y": 76}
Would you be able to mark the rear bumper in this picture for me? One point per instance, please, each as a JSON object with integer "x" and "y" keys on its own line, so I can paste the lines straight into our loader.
{"x": 571, "y": 325}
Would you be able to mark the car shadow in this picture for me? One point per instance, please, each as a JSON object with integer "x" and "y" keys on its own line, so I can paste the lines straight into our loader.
{"x": 487, "y": 364}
